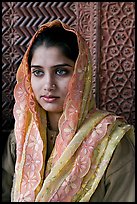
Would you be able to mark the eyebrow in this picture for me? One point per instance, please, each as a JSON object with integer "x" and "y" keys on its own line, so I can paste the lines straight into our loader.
{"x": 55, "y": 66}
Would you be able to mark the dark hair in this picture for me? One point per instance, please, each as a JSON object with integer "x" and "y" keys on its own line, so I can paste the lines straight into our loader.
{"x": 59, "y": 37}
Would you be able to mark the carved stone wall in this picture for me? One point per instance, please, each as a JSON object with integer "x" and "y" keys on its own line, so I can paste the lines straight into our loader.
{"x": 108, "y": 28}
{"x": 117, "y": 55}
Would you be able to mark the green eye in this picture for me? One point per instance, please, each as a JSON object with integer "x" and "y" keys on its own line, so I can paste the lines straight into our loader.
{"x": 61, "y": 72}
{"x": 37, "y": 73}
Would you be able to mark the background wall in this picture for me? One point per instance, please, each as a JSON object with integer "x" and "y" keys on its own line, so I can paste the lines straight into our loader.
{"x": 109, "y": 29}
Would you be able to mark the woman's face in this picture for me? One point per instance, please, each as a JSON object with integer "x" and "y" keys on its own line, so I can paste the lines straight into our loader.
{"x": 51, "y": 72}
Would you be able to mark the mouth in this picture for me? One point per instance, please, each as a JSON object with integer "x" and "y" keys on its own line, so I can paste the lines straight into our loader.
{"x": 49, "y": 99}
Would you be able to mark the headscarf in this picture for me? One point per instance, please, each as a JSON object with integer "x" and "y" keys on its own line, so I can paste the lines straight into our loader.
{"x": 84, "y": 145}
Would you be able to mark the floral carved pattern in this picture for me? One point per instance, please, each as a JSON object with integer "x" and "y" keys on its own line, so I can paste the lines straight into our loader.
{"x": 8, "y": 62}
{"x": 117, "y": 68}
{"x": 86, "y": 24}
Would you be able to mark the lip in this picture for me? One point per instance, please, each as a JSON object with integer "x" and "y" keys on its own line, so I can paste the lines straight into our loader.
{"x": 49, "y": 99}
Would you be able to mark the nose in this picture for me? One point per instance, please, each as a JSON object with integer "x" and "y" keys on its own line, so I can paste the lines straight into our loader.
{"x": 49, "y": 83}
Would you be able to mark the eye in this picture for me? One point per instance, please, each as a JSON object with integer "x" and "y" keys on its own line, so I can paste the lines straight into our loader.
{"x": 37, "y": 73}
{"x": 62, "y": 72}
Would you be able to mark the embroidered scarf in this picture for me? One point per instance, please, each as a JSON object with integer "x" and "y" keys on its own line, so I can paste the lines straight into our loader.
{"x": 83, "y": 148}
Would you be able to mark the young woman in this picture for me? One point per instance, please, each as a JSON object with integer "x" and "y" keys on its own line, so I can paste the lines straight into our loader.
{"x": 63, "y": 148}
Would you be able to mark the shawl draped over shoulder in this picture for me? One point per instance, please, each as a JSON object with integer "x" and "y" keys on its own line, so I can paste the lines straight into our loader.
{"x": 84, "y": 145}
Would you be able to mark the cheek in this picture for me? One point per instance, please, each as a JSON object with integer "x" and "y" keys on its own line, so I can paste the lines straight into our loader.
{"x": 34, "y": 86}
{"x": 68, "y": 83}
{"x": 66, "y": 88}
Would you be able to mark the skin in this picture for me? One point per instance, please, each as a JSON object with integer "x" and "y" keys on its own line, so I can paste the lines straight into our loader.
{"x": 51, "y": 72}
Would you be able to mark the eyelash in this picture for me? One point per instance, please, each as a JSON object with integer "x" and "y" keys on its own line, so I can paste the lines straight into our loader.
{"x": 39, "y": 73}
{"x": 65, "y": 72}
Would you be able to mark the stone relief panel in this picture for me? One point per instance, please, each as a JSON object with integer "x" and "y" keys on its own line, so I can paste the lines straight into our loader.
{"x": 117, "y": 55}
{"x": 87, "y": 24}
{"x": 8, "y": 63}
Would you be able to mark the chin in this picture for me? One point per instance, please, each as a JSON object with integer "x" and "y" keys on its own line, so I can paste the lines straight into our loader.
{"x": 52, "y": 108}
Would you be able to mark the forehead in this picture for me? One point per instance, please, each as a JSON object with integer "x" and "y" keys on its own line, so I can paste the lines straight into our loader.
{"x": 43, "y": 50}
{"x": 49, "y": 56}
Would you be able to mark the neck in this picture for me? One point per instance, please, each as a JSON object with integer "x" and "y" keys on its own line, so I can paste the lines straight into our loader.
{"x": 53, "y": 119}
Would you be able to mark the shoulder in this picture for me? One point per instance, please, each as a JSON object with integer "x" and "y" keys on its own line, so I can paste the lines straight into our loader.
{"x": 12, "y": 136}
{"x": 12, "y": 141}
{"x": 123, "y": 156}
{"x": 10, "y": 148}
{"x": 117, "y": 183}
